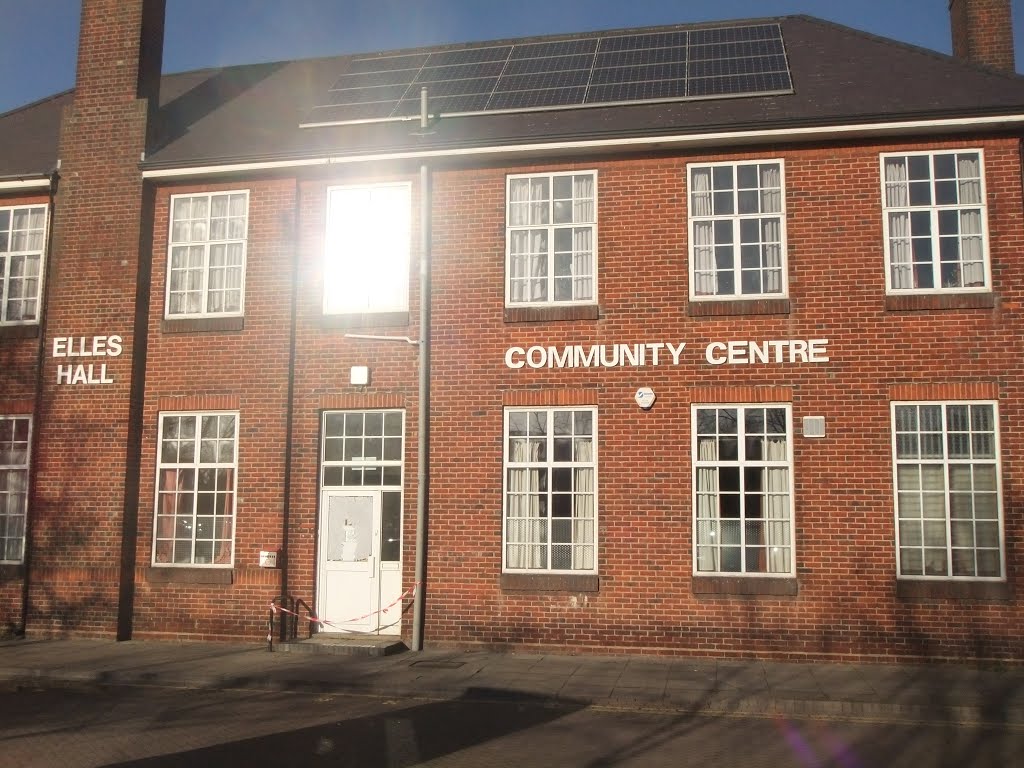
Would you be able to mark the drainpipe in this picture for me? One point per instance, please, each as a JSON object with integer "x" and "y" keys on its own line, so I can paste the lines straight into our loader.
{"x": 422, "y": 456}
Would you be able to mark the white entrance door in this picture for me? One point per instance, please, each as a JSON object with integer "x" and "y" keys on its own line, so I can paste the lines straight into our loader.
{"x": 349, "y": 584}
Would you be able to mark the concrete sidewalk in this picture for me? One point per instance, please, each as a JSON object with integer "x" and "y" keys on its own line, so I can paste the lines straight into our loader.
{"x": 933, "y": 693}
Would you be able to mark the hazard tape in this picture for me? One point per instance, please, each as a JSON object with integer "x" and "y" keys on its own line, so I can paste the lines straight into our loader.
{"x": 324, "y": 622}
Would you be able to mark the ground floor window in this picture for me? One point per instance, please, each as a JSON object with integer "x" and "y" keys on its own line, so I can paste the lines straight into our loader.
{"x": 15, "y": 441}
{"x": 550, "y": 489}
{"x": 364, "y": 449}
{"x": 742, "y": 480}
{"x": 197, "y": 465}
{"x": 948, "y": 508}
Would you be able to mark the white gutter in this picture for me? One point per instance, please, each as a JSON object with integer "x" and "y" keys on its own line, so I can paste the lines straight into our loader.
{"x": 718, "y": 138}
{"x": 16, "y": 184}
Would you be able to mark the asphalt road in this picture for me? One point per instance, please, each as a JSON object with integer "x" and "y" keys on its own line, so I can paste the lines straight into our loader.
{"x": 135, "y": 727}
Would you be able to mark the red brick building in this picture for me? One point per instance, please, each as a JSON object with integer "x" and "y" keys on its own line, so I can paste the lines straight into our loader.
{"x": 722, "y": 352}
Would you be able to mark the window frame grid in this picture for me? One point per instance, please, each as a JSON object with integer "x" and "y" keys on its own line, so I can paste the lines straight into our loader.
{"x": 403, "y": 303}
{"x": 946, "y": 463}
{"x": 27, "y": 469}
{"x": 935, "y": 235}
{"x": 549, "y": 465}
{"x": 196, "y": 465}
{"x": 736, "y": 218}
{"x": 207, "y": 245}
{"x": 8, "y": 257}
{"x": 741, "y": 463}
{"x": 551, "y": 226}
{"x": 361, "y": 462}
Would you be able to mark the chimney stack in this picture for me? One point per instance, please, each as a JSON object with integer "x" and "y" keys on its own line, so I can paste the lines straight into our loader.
{"x": 982, "y": 32}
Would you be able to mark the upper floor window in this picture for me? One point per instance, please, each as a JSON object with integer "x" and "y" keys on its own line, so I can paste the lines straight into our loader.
{"x": 935, "y": 222}
{"x": 551, "y": 489}
{"x": 551, "y": 239}
{"x": 366, "y": 255}
{"x": 948, "y": 511}
{"x": 195, "y": 491}
{"x": 22, "y": 242}
{"x": 206, "y": 259}
{"x": 743, "y": 509}
{"x": 15, "y": 442}
{"x": 737, "y": 230}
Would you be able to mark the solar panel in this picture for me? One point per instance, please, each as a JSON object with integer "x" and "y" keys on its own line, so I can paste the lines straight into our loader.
{"x": 585, "y": 71}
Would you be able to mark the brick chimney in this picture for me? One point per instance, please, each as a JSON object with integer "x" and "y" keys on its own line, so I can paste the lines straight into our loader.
{"x": 982, "y": 32}
{"x": 85, "y": 490}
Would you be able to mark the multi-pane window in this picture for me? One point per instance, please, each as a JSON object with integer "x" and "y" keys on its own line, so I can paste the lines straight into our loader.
{"x": 551, "y": 239}
{"x": 366, "y": 254}
{"x": 15, "y": 441}
{"x": 206, "y": 264}
{"x": 364, "y": 449}
{"x": 737, "y": 230}
{"x": 196, "y": 478}
{"x": 948, "y": 510}
{"x": 743, "y": 510}
{"x": 22, "y": 242}
{"x": 935, "y": 221}
{"x": 551, "y": 489}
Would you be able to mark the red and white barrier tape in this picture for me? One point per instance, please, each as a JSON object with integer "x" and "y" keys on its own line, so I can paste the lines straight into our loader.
{"x": 324, "y": 622}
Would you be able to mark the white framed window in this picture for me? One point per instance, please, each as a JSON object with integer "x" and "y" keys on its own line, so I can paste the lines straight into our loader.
{"x": 22, "y": 244}
{"x": 935, "y": 222}
{"x": 366, "y": 250}
{"x": 742, "y": 488}
{"x": 15, "y": 449}
{"x": 949, "y": 515}
{"x": 550, "y": 490}
{"x": 737, "y": 218}
{"x": 197, "y": 469}
{"x": 206, "y": 254}
{"x": 551, "y": 239}
{"x": 365, "y": 449}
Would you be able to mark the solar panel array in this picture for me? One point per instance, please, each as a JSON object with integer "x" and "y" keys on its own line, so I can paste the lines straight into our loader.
{"x": 606, "y": 68}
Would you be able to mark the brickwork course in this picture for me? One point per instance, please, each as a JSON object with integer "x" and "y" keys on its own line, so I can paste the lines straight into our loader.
{"x": 133, "y": 143}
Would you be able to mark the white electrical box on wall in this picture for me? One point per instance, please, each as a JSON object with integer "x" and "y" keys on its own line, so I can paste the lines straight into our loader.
{"x": 814, "y": 426}
{"x": 268, "y": 559}
{"x": 359, "y": 376}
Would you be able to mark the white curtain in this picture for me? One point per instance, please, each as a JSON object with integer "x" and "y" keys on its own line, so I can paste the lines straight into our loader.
{"x": 897, "y": 196}
{"x": 771, "y": 189}
{"x": 771, "y": 238}
{"x": 705, "y": 279}
{"x": 707, "y": 507}
{"x": 583, "y": 508}
{"x": 526, "y": 534}
{"x": 971, "y": 249}
{"x": 528, "y": 248}
{"x": 777, "y": 507}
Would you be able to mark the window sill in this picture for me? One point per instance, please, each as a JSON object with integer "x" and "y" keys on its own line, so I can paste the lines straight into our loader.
{"x": 779, "y": 586}
{"x": 738, "y": 307}
{"x": 12, "y": 572}
{"x": 956, "y": 590}
{"x": 202, "y": 324}
{"x": 931, "y": 301}
{"x": 366, "y": 320}
{"x": 551, "y": 314}
{"x": 19, "y": 331}
{"x": 167, "y": 575}
{"x": 550, "y": 582}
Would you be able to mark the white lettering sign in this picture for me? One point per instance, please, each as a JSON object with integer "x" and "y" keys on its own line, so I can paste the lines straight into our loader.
{"x": 768, "y": 352}
{"x": 85, "y": 346}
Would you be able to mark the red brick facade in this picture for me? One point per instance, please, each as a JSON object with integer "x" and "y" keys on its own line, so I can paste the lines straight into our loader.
{"x": 983, "y": 32}
{"x": 91, "y": 567}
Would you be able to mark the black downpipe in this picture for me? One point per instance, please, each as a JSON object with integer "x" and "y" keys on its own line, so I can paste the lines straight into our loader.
{"x": 37, "y": 404}
{"x": 136, "y": 414}
{"x": 290, "y": 406}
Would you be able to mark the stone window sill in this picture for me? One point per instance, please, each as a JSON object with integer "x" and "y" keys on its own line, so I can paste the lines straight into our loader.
{"x": 19, "y": 331}
{"x": 551, "y": 314}
{"x": 956, "y": 590}
{"x": 550, "y": 582}
{"x": 744, "y": 585}
{"x": 738, "y": 307}
{"x": 158, "y": 575}
{"x": 202, "y": 324}
{"x": 934, "y": 301}
{"x": 366, "y": 320}
{"x": 12, "y": 572}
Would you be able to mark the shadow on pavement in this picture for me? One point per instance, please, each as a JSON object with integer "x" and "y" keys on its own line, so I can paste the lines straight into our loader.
{"x": 395, "y": 739}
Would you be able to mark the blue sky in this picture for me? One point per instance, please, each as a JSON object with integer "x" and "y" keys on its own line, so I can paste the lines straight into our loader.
{"x": 38, "y": 37}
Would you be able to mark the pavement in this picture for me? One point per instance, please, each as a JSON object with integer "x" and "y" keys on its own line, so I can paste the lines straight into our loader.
{"x": 962, "y": 693}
